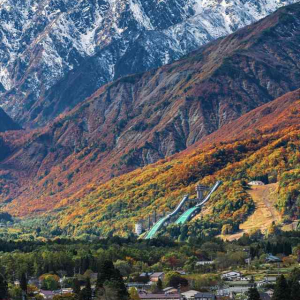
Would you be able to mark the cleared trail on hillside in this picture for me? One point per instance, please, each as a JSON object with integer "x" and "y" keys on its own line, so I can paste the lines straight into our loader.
{"x": 265, "y": 212}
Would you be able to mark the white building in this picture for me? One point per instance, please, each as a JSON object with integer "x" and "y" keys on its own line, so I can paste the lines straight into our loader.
{"x": 189, "y": 295}
{"x": 204, "y": 263}
{"x": 256, "y": 183}
{"x": 231, "y": 276}
{"x": 138, "y": 228}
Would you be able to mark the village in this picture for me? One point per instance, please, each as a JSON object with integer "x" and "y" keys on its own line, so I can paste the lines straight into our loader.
{"x": 170, "y": 285}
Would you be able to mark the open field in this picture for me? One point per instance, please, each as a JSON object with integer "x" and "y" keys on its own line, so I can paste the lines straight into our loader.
{"x": 265, "y": 212}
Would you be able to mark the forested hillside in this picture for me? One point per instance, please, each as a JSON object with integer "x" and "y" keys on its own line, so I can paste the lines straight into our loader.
{"x": 270, "y": 154}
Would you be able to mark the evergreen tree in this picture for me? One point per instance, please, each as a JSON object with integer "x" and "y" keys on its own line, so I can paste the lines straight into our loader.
{"x": 3, "y": 288}
{"x": 268, "y": 247}
{"x": 253, "y": 293}
{"x": 287, "y": 249}
{"x": 294, "y": 275}
{"x": 146, "y": 278}
{"x": 117, "y": 288}
{"x": 76, "y": 286}
{"x": 110, "y": 282}
{"x": 23, "y": 283}
{"x": 86, "y": 292}
{"x": 281, "y": 289}
{"x": 159, "y": 285}
{"x": 183, "y": 233}
{"x": 88, "y": 288}
{"x": 252, "y": 252}
{"x": 85, "y": 264}
{"x": 106, "y": 272}
{"x": 295, "y": 290}
{"x": 118, "y": 282}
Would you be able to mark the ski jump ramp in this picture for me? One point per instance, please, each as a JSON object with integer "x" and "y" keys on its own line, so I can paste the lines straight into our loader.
{"x": 162, "y": 221}
{"x": 185, "y": 217}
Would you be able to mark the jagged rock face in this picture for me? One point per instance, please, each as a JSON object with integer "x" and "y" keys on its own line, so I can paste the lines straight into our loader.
{"x": 142, "y": 118}
{"x": 55, "y": 53}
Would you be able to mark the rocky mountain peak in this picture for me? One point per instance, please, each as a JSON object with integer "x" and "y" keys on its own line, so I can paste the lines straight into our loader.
{"x": 56, "y": 53}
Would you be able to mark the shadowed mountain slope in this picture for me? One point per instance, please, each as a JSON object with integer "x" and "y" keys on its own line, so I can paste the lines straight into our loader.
{"x": 6, "y": 123}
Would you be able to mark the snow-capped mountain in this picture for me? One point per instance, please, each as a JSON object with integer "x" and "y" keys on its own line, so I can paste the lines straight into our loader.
{"x": 56, "y": 53}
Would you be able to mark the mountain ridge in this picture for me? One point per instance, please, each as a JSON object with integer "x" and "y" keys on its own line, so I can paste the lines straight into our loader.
{"x": 140, "y": 119}
{"x": 67, "y": 49}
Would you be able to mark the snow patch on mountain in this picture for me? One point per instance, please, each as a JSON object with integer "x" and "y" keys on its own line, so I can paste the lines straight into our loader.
{"x": 43, "y": 40}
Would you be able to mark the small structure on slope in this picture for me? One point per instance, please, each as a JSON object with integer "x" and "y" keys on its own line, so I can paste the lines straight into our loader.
{"x": 256, "y": 183}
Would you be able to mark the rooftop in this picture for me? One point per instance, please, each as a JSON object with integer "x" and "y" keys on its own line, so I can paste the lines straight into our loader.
{"x": 159, "y": 296}
{"x": 205, "y": 295}
{"x": 156, "y": 274}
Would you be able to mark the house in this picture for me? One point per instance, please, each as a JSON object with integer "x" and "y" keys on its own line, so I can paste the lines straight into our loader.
{"x": 204, "y": 263}
{"x": 67, "y": 291}
{"x": 145, "y": 274}
{"x": 48, "y": 294}
{"x": 170, "y": 290}
{"x": 234, "y": 288}
{"x": 240, "y": 283}
{"x": 270, "y": 279}
{"x": 205, "y": 296}
{"x": 230, "y": 276}
{"x": 231, "y": 291}
{"x": 246, "y": 278}
{"x": 267, "y": 280}
{"x": 156, "y": 276}
{"x": 145, "y": 296}
{"x": 273, "y": 259}
{"x": 138, "y": 285}
{"x": 189, "y": 295}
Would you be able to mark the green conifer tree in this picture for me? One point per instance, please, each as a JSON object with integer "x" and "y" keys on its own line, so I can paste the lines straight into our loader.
{"x": 23, "y": 286}
{"x": 281, "y": 289}
{"x": 253, "y": 293}
{"x": 76, "y": 286}
{"x": 3, "y": 288}
{"x": 106, "y": 272}
{"x": 295, "y": 290}
{"x": 23, "y": 283}
{"x": 110, "y": 282}
{"x": 86, "y": 292}
{"x": 159, "y": 285}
